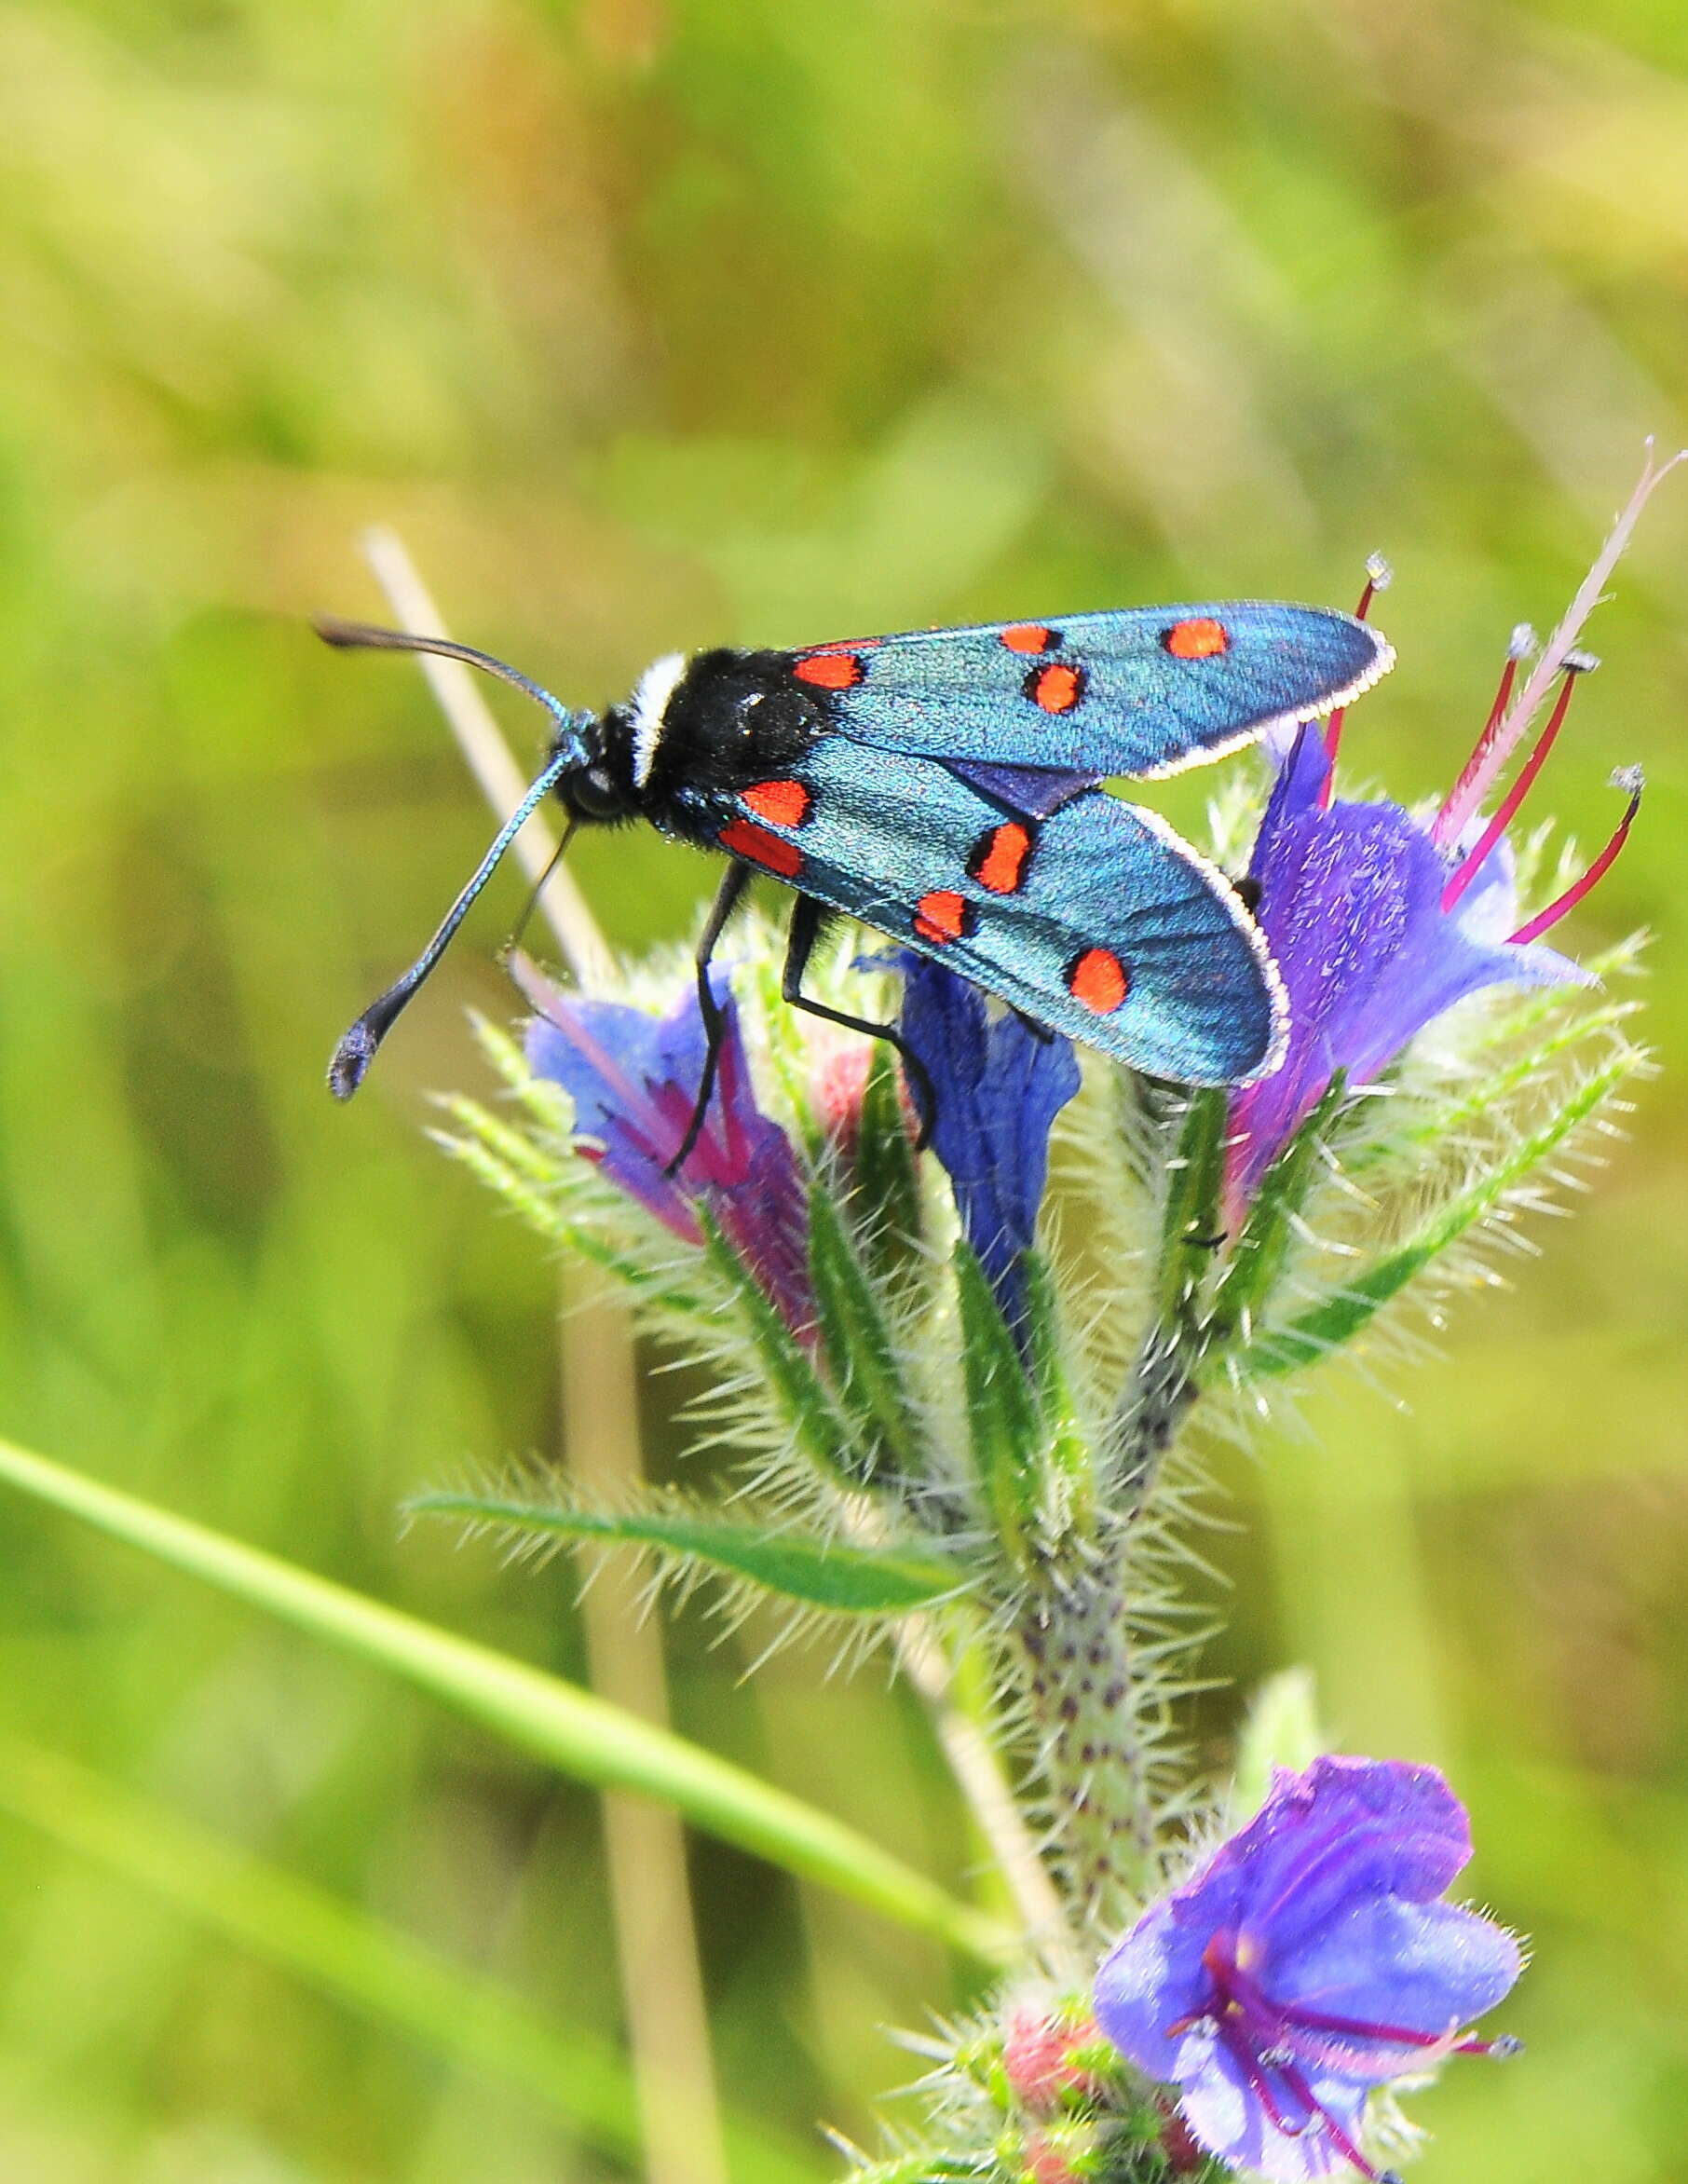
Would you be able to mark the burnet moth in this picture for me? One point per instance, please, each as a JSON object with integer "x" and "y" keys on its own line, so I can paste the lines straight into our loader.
{"x": 944, "y": 787}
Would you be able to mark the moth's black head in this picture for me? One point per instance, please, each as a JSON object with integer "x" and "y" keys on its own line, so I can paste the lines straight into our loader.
{"x": 599, "y": 790}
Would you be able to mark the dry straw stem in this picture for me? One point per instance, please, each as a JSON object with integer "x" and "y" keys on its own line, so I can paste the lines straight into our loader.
{"x": 644, "y": 1845}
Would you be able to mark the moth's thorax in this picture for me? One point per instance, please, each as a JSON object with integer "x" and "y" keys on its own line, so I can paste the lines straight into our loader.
{"x": 702, "y": 729}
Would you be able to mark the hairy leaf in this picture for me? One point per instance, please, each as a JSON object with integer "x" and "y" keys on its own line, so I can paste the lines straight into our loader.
{"x": 825, "y": 1573}
{"x": 1341, "y": 1315}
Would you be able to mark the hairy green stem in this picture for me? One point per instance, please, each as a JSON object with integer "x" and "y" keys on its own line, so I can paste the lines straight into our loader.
{"x": 1084, "y": 1703}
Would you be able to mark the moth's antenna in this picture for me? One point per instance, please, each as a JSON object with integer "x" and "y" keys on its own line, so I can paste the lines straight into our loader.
{"x": 365, "y": 636}
{"x": 352, "y": 1057}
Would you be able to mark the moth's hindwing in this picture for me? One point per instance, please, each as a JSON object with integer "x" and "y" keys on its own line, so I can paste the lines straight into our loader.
{"x": 1139, "y": 690}
{"x": 1096, "y": 920}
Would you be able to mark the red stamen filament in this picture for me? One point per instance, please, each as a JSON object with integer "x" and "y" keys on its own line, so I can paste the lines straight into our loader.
{"x": 1473, "y": 765}
{"x": 1333, "y": 727}
{"x": 1355, "y": 2027}
{"x": 1236, "y": 1984}
{"x": 1261, "y": 2085}
{"x": 1562, "y": 903}
{"x": 1244, "y": 2056}
{"x": 1469, "y": 868}
{"x": 1339, "y": 2137}
{"x": 1245, "y": 2020}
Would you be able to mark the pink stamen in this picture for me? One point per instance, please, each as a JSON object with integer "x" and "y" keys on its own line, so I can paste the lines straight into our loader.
{"x": 1545, "y": 919}
{"x": 1237, "y": 1986}
{"x": 1501, "y": 2047}
{"x": 1467, "y": 799}
{"x": 1442, "y": 828}
{"x": 1339, "y": 2137}
{"x": 1378, "y": 577}
{"x": 1468, "y": 871}
{"x": 1249, "y": 2064}
{"x": 1358, "y": 2028}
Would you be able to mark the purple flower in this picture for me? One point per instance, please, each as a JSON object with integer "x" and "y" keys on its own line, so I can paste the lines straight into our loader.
{"x": 997, "y": 1088}
{"x": 1307, "y": 1962}
{"x": 633, "y": 1079}
{"x": 1379, "y": 920}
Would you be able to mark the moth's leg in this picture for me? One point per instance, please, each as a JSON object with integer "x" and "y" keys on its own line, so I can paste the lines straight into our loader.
{"x": 727, "y": 897}
{"x": 806, "y": 920}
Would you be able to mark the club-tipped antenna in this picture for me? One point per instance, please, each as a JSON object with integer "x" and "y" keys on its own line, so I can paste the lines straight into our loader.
{"x": 367, "y": 637}
{"x": 349, "y": 1063}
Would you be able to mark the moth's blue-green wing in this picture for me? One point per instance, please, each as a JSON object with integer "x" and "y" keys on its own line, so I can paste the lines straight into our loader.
{"x": 1139, "y": 690}
{"x": 1095, "y": 919}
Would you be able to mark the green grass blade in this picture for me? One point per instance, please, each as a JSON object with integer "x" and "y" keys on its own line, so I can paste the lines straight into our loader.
{"x": 821, "y": 1572}
{"x": 359, "y": 1961}
{"x": 570, "y": 1729}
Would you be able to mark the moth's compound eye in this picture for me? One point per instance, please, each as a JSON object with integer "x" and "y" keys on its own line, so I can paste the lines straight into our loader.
{"x": 593, "y": 794}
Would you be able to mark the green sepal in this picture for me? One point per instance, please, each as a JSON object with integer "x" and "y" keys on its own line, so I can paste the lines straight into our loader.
{"x": 1281, "y": 1729}
{"x": 1069, "y": 1445}
{"x": 1008, "y": 1440}
{"x": 887, "y": 1181}
{"x": 1257, "y": 1258}
{"x": 1485, "y": 1104}
{"x": 511, "y": 1167}
{"x": 1314, "y": 1334}
{"x": 855, "y": 1340}
{"x": 821, "y": 1433}
{"x": 1189, "y": 1219}
{"x": 820, "y": 1573}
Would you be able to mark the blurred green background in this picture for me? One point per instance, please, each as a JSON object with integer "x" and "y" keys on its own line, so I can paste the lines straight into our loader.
{"x": 650, "y": 323}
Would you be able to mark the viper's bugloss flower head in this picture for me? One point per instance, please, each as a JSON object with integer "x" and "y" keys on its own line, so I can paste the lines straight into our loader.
{"x": 998, "y": 1085}
{"x": 632, "y": 1078}
{"x": 1308, "y": 1961}
{"x": 1376, "y": 929}
{"x": 1380, "y": 919}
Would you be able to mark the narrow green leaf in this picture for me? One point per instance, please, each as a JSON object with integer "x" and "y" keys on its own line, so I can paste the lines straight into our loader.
{"x": 802, "y": 1395}
{"x": 1007, "y": 1433}
{"x": 886, "y": 1180}
{"x": 567, "y": 1728}
{"x": 1488, "y": 1097}
{"x": 1189, "y": 1220}
{"x": 360, "y": 1960}
{"x": 1069, "y": 1453}
{"x": 540, "y": 1207}
{"x": 1257, "y": 1258}
{"x": 820, "y": 1573}
{"x": 857, "y": 1342}
{"x": 1341, "y": 1315}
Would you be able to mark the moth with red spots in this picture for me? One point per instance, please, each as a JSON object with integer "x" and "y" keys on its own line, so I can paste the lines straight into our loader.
{"x": 945, "y": 787}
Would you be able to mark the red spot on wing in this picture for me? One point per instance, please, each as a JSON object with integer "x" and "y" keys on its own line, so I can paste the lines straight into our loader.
{"x": 998, "y": 857}
{"x": 1056, "y": 688}
{"x": 1199, "y": 638}
{"x": 1099, "y": 979}
{"x": 756, "y": 846}
{"x": 1030, "y": 636}
{"x": 782, "y": 803}
{"x": 831, "y": 671}
{"x": 944, "y": 916}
